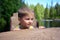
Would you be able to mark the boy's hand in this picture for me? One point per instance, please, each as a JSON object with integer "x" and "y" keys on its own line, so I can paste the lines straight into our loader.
{"x": 41, "y": 27}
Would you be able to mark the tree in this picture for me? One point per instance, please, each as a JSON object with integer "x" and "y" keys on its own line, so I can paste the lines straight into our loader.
{"x": 46, "y": 12}
{"x": 31, "y": 7}
{"x": 57, "y": 7}
{"x": 7, "y": 8}
{"x": 52, "y": 13}
{"x": 39, "y": 13}
{"x": 57, "y": 16}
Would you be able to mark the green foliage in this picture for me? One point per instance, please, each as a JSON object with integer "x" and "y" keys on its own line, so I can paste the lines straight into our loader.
{"x": 56, "y": 16}
{"x": 57, "y": 7}
{"x": 31, "y": 7}
{"x": 52, "y": 13}
{"x": 39, "y": 13}
{"x": 7, "y": 8}
{"x": 2, "y": 24}
{"x": 46, "y": 13}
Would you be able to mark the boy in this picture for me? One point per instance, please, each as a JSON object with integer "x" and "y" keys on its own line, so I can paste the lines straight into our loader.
{"x": 26, "y": 18}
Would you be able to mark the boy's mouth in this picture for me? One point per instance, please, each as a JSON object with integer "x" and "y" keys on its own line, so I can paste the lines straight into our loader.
{"x": 29, "y": 25}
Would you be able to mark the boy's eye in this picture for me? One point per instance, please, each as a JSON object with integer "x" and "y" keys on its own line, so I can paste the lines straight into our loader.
{"x": 27, "y": 19}
{"x": 31, "y": 18}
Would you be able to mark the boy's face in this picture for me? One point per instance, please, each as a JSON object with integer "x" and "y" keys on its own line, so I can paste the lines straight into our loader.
{"x": 27, "y": 21}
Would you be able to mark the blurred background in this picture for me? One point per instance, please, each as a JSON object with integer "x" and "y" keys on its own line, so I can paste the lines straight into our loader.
{"x": 47, "y": 12}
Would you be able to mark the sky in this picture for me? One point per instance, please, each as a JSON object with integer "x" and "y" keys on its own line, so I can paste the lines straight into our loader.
{"x": 43, "y": 2}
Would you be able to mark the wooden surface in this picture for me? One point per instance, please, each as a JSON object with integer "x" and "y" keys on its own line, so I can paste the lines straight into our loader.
{"x": 32, "y": 34}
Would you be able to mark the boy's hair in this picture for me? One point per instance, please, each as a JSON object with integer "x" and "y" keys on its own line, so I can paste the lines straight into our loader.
{"x": 24, "y": 11}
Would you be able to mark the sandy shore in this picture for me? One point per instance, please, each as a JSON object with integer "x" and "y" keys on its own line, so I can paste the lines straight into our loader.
{"x": 32, "y": 34}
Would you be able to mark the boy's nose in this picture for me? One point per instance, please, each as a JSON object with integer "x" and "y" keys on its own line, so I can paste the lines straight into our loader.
{"x": 30, "y": 22}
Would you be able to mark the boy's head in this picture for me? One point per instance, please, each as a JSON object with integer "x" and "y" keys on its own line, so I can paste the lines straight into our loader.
{"x": 26, "y": 17}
